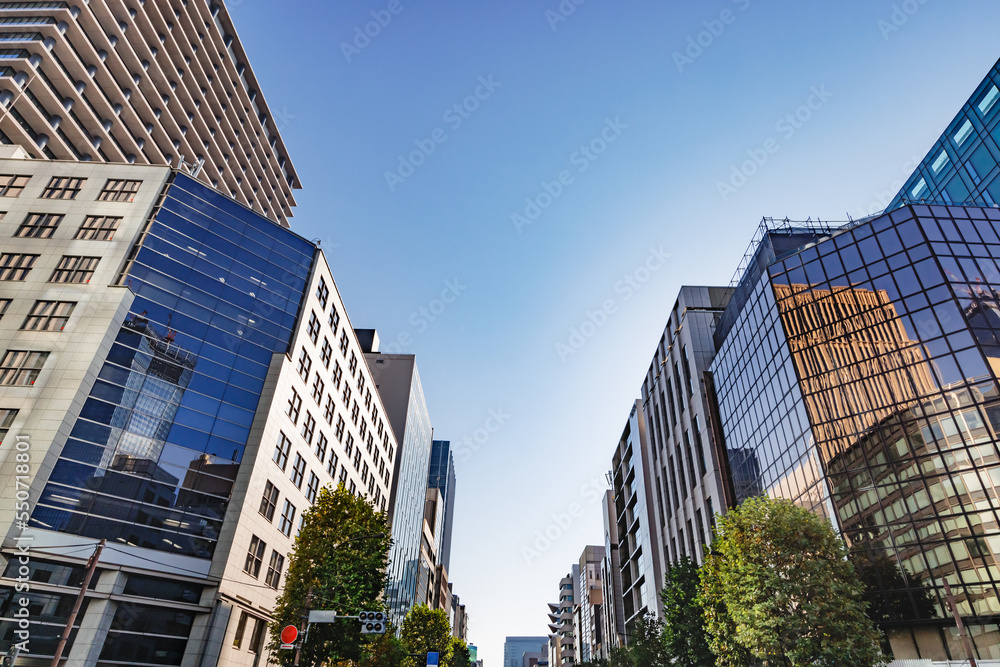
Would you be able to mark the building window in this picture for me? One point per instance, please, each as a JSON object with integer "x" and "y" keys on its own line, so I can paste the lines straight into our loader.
{"x": 15, "y": 266}
{"x": 331, "y": 467}
{"x": 241, "y": 629}
{"x": 294, "y": 405}
{"x": 321, "y": 443}
{"x": 357, "y": 458}
{"x": 343, "y": 343}
{"x": 343, "y": 475}
{"x": 313, "y": 488}
{"x": 63, "y": 187}
{"x": 48, "y": 316}
{"x": 274, "y": 569}
{"x": 12, "y": 185}
{"x": 119, "y": 190}
{"x": 298, "y": 471}
{"x": 328, "y": 412}
{"x": 20, "y": 368}
{"x": 98, "y": 228}
{"x": 352, "y": 365}
{"x": 340, "y": 428}
{"x": 354, "y": 413}
{"x": 287, "y": 518}
{"x": 74, "y": 269}
{"x": 317, "y": 391}
{"x": 334, "y": 323}
{"x": 255, "y": 556}
{"x": 314, "y": 327}
{"x": 4, "y": 305}
{"x": 326, "y": 353}
{"x": 305, "y": 365}
{"x": 322, "y": 292}
{"x": 338, "y": 372}
{"x": 38, "y": 226}
{"x": 346, "y": 396}
{"x": 349, "y": 445}
{"x": 282, "y": 450}
{"x": 696, "y": 425}
{"x": 257, "y": 638}
{"x": 308, "y": 428}
{"x": 269, "y": 501}
{"x": 6, "y": 421}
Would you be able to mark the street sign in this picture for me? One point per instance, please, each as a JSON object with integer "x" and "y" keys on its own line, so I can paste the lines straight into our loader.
{"x": 322, "y": 616}
{"x": 372, "y": 622}
{"x": 432, "y": 659}
{"x": 289, "y": 634}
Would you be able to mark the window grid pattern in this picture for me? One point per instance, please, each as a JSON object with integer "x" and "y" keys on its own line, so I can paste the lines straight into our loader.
{"x": 98, "y": 228}
{"x": 119, "y": 190}
{"x": 63, "y": 187}
{"x": 75, "y": 269}
{"x": 11, "y": 185}
{"x": 20, "y": 368}
{"x": 38, "y": 226}
{"x": 15, "y": 266}
{"x": 49, "y": 316}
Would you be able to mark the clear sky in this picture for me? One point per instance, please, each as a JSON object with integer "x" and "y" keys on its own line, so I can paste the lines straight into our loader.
{"x": 431, "y": 256}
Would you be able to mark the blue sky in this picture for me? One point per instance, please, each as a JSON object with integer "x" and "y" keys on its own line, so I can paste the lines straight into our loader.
{"x": 620, "y": 132}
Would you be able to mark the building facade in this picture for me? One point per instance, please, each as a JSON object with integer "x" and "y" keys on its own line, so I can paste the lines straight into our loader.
{"x": 562, "y": 638}
{"x": 515, "y": 647}
{"x": 143, "y": 83}
{"x": 857, "y": 375}
{"x": 187, "y": 376}
{"x": 588, "y": 610}
{"x": 442, "y": 477}
{"x": 612, "y": 617}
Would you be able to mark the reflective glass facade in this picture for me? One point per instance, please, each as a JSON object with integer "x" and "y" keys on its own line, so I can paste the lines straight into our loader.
{"x": 442, "y": 477}
{"x": 152, "y": 458}
{"x": 961, "y": 167}
{"x": 859, "y": 379}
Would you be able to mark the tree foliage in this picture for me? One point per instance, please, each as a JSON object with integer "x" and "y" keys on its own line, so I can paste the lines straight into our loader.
{"x": 683, "y": 620}
{"x": 460, "y": 654}
{"x": 336, "y": 559}
{"x": 778, "y": 586}
{"x": 424, "y": 630}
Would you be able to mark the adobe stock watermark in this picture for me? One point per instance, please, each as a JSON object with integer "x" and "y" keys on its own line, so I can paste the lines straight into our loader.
{"x": 495, "y": 420}
{"x": 901, "y": 13}
{"x": 363, "y": 35}
{"x": 704, "y": 39}
{"x": 422, "y": 317}
{"x": 454, "y": 116}
{"x": 20, "y": 608}
{"x": 562, "y": 12}
{"x": 626, "y": 287}
{"x": 786, "y": 126}
{"x": 581, "y": 158}
{"x": 592, "y": 492}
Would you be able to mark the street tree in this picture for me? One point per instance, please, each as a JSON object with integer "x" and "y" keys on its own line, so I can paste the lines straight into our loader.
{"x": 460, "y": 654}
{"x": 683, "y": 618}
{"x": 338, "y": 563}
{"x": 425, "y": 630}
{"x": 778, "y": 586}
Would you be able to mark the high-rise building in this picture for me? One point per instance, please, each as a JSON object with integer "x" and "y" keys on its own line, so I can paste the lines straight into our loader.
{"x": 561, "y": 642}
{"x": 184, "y": 377}
{"x": 961, "y": 166}
{"x": 442, "y": 478}
{"x": 413, "y": 563}
{"x": 683, "y": 464}
{"x": 145, "y": 83}
{"x": 515, "y": 647}
{"x": 857, "y": 375}
{"x": 638, "y": 544}
{"x": 613, "y": 611}
{"x": 588, "y": 609}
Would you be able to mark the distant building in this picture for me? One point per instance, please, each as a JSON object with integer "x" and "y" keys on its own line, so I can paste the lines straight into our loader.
{"x": 514, "y": 649}
{"x": 441, "y": 476}
{"x": 562, "y": 641}
{"x": 588, "y": 611}
{"x": 612, "y": 617}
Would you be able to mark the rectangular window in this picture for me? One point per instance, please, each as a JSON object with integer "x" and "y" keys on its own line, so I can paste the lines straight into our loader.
{"x": 354, "y": 413}
{"x": 349, "y": 445}
{"x": 313, "y": 487}
{"x": 322, "y": 292}
{"x": 63, "y": 187}
{"x": 696, "y": 424}
{"x": 686, "y": 363}
{"x": 15, "y": 266}
{"x": 329, "y": 411}
{"x": 919, "y": 189}
{"x": 317, "y": 391}
{"x": 119, "y": 190}
{"x": 38, "y": 226}
{"x": 989, "y": 99}
{"x": 352, "y": 365}
{"x": 74, "y": 269}
{"x": 282, "y": 450}
{"x": 331, "y": 467}
{"x": 255, "y": 556}
{"x": 308, "y": 428}
{"x": 338, "y": 372}
{"x": 305, "y": 365}
{"x": 298, "y": 471}
{"x": 314, "y": 326}
{"x": 346, "y": 396}
{"x": 257, "y": 638}
{"x": 6, "y": 421}
{"x": 326, "y": 353}
{"x": 357, "y": 459}
{"x": 343, "y": 476}
{"x": 963, "y": 133}
{"x": 11, "y": 185}
{"x": 48, "y": 316}
{"x": 287, "y": 518}
{"x": 241, "y": 628}
{"x": 269, "y": 501}
{"x": 274, "y": 569}
{"x": 20, "y": 368}
{"x": 690, "y": 459}
{"x": 4, "y": 305}
{"x": 340, "y": 429}
{"x": 940, "y": 162}
{"x": 294, "y": 405}
{"x": 711, "y": 517}
{"x": 334, "y": 323}
{"x": 343, "y": 343}
{"x": 98, "y": 228}
{"x": 321, "y": 443}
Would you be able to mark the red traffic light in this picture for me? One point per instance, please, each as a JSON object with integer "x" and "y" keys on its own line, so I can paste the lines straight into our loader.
{"x": 289, "y": 634}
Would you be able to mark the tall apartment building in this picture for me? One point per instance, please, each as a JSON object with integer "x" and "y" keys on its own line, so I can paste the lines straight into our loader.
{"x": 857, "y": 375}
{"x": 515, "y": 647}
{"x": 145, "y": 83}
{"x": 640, "y": 567}
{"x": 184, "y": 377}
{"x": 413, "y": 562}
{"x": 562, "y": 640}
{"x": 612, "y": 617}
{"x": 588, "y": 609}
{"x": 687, "y": 472}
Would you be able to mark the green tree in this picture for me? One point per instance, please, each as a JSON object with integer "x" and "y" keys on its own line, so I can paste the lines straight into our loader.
{"x": 384, "y": 650}
{"x": 683, "y": 619}
{"x": 460, "y": 654}
{"x": 339, "y": 563}
{"x": 779, "y": 586}
{"x": 426, "y": 629}
{"x": 644, "y": 646}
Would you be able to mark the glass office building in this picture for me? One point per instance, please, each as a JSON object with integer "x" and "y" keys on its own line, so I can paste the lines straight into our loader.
{"x": 857, "y": 375}
{"x": 442, "y": 478}
{"x": 153, "y": 456}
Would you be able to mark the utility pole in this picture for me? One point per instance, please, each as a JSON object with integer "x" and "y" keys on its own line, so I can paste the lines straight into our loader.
{"x": 305, "y": 617}
{"x": 91, "y": 566}
{"x": 961, "y": 626}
